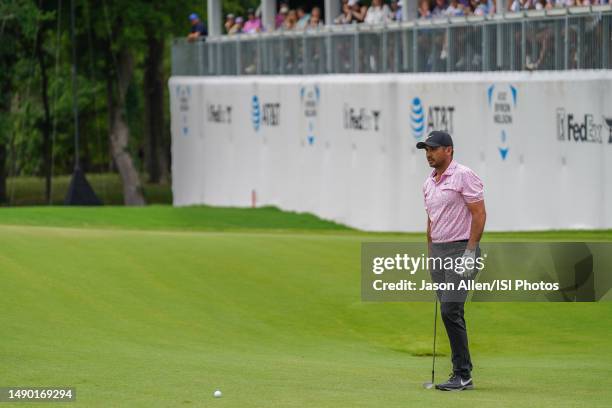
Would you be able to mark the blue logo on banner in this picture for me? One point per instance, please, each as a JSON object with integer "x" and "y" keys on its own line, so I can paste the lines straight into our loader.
{"x": 183, "y": 93}
{"x": 513, "y": 92}
{"x": 503, "y": 104}
{"x": 417, "y": 118}
{"x": 255, "y": 113}
{"x": 503, "y": 151}
{"x": 310, "y": 136}
{"x": 310, "y": 97}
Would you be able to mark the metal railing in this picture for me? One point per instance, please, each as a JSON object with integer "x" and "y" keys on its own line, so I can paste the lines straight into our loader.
{"x": 559, "y": 39}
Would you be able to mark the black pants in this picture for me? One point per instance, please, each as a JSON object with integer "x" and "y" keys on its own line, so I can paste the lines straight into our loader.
{"x": 452, "y": 306}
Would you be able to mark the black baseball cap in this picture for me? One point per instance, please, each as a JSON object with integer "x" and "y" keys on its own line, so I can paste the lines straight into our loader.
{"x": 436, "y": 138}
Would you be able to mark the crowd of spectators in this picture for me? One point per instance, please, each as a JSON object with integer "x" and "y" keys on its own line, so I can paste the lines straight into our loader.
{"x": 286, "y": 19}
{"x": 297, "y": 19}
{"x": 378, "y": 12}
{"x": 518, "y": 5}
{"x": 353, "y": 11}
{"x": 238, "y": 24}
{"x": 456, "y": 8}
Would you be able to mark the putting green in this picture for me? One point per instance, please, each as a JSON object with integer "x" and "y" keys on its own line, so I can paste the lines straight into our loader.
{"x": 136, "y": 314}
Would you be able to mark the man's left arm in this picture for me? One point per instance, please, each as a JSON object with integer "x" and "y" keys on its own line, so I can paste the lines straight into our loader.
{"x": 479, "y": 217}
{"x": 473, "y": 194}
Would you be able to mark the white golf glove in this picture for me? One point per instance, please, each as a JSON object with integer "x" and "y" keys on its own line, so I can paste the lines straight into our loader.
{"x": 469, "y": 260}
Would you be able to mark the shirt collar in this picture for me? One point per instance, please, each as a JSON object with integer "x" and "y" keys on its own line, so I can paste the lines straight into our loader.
{"x": 449, "y": 170}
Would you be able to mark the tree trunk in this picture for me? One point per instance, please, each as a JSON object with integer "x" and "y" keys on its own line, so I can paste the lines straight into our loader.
{"x": 2, "y": 171}
{"x": 46, "y": 125}
{"x": 119, "y": 131}
{"x": 5, "y": 129}
{"x": 155, "y": 160}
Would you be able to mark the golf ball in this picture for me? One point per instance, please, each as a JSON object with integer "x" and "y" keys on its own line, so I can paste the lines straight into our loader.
{"x": 217, "y": 394}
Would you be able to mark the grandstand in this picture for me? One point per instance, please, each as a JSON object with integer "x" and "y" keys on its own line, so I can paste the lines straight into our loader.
{"x": 325, "y": 119}
{"x": 556, "y": 39}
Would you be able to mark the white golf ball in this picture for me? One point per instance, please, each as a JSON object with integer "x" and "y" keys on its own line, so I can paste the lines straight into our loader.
{"x": 217, "y": 394}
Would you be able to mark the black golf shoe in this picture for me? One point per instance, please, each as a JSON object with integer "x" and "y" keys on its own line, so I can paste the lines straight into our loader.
{"x": 456, "y": 383}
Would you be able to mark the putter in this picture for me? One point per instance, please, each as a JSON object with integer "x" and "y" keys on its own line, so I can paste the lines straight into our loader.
{"x": 430, "y": 385}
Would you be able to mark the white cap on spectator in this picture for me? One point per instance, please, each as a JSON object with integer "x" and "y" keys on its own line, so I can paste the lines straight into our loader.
{"x": 352, "y": 2}
{"x": 284, "y": 9}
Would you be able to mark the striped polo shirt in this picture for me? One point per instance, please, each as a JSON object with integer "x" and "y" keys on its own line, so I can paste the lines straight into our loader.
{"x": 446, "y": 202}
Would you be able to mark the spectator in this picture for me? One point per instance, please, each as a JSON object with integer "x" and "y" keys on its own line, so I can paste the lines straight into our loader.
{"x": 358, "y": 11}
{"x": 290, "y": 21}
{"x": 465, "y": 4}
{"x": 237, "y": 27}
{"x": 253, "y": 24}
{"x": 303, "y": 18}
{"x": 198, "y": 29}
{"x": 346, "y": 17}
{"x": 378, "y": 13}
{"x": 396, "y": 11}
{"x": 480, "y": 7}
{"x": 229, "y": 22}
{"x": 424, "y": 13}
{"x": 315, "y": 18}
{"x": 440, "y": 9}
{"x": 281, "y": 16}
{"x": 454, "y": 9}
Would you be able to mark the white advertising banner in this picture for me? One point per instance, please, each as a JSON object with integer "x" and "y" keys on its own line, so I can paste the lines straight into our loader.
{"x": 343, "y": 146}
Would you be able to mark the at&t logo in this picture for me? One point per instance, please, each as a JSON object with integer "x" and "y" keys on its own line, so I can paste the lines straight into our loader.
{"x": 417, "y": 118}
{"x": 433, "y": 117}
{"x": 255, "y": 113}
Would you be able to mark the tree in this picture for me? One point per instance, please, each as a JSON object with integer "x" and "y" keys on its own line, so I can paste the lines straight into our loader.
{"x": 45, "y": 123}
{"x": 124, "y": 64}
{"x": 18, "y": 28}
{"x": 119, "y": 21}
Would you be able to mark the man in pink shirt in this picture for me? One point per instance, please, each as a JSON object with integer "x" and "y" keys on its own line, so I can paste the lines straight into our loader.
{"x": 454, "y": 201}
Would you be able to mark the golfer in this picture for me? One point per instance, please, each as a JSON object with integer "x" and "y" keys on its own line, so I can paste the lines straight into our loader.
{"x": 456, "y": 215}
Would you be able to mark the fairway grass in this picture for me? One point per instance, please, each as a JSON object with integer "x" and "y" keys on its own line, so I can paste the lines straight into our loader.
{"x": 154, "y": 308}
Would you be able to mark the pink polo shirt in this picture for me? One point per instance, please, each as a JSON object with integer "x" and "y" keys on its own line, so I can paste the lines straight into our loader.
{"x": 446, "y": 202}
{"x": 251, "y": 26}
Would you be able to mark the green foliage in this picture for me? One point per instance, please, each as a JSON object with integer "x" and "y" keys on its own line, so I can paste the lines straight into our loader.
{"x": 101, "y": 27}
{"x": 18, "y": 28}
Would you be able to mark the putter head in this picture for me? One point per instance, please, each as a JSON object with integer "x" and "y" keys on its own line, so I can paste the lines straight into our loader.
{"x": 428, "y": 385}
